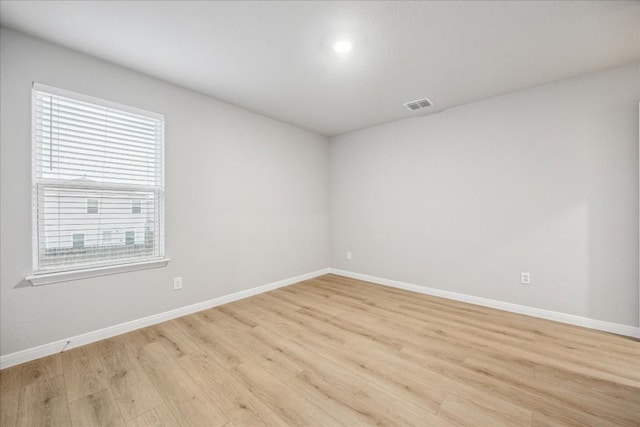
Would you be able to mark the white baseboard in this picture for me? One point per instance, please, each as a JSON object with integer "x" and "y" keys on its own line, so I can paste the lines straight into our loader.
{"x": 90, "y": 337}
{"x": 33, "y": 353}
{"x": 571, "y": 319}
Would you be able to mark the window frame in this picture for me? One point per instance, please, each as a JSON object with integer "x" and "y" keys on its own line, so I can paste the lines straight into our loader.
{"x": 136, "y": 205}
{"x": 78, "y": 243}
{"x": 39, "y": 277}
{"x": 90, "y": 206}
{"x": 130, "y": 237}
{"x": 107, "y": 233}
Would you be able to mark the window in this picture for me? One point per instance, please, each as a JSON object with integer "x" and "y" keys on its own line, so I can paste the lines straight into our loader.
{"x": 94, "y": 164}
{"x": 130, "y": 238}
{"x": 107, "y": 235}
{"x": 78, "y": 240}
{"x": 92, "y": 206}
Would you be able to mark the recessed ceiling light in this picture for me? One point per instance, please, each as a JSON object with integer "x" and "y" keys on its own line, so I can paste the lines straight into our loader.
{"x": 343, "y": 46}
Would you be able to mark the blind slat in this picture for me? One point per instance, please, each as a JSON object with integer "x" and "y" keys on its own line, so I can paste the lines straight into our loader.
{"x": 98, "y": 144}
{"x": 58, "y": 115}
{"x": 53, "y": 116}
{"x": 83, "y": 109}
{"x": 98, "y": 164}
{"x": 100, "y": 134}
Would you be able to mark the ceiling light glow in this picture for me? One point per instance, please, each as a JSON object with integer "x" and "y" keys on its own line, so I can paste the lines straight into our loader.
{"x": 343, "y": 46}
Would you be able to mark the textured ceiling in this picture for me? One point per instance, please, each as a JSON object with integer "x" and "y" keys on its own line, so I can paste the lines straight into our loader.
{"x": 275, "y": 58}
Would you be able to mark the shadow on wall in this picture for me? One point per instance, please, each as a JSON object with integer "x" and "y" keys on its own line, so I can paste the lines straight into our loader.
{"x": 24, "y": 283}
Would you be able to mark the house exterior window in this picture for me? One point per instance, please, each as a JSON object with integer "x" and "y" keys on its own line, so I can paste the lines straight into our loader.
{"x": 92, "y": 206}
{"x": 95, "y": 164}
{"x": 78, "y": 240}
{"x": 136, "y": 206}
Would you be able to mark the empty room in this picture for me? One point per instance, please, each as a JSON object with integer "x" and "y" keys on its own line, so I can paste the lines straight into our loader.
{"x": 319, "y": 213}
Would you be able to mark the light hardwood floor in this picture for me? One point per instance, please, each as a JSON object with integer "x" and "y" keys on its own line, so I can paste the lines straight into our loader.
{"x": 334, "y": 351}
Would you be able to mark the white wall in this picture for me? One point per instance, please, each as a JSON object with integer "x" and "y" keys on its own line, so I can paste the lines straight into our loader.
{"x": 246, "y": 199}
{"x": 543, "y": 180}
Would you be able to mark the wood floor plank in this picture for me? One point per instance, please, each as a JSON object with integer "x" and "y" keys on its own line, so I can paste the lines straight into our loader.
{"x": 10, "y": 380}
{"x": 289, "y": 405}
{"x": 543, "y": 420}
{"x": 132, "y": 390}
{"x": 46, "y": 367}
{"x": 194, "y": 327}
{"x": 334, "y": 351}
{"x": 44, "y": 402}
{"x": 84, "y": 373}
{"x": 98, "y": 409}
{"x": 309, "y": 301}
{"x": 274, "y": 362}
{"x": 501, "y": 366}
{"x": 160, "y": 416}
{"x": 183, "y": 396}
{"x": 9, "y": 408}
{"x": 246, "y": 321}
{"x": 622, "y": 395}
{"x": 225, "y": 351}
{"x": 293, "y": 327}
{"x": 478, "y": 410}
{"x": 238, "y": 403}
{"x": 10, "y": 388}
{"x": 170, "y": 337}
{"x": 601, "y": 406}
{"x": 524, "y": 392}
{"x": 215, "y": 316}
{"x": 312, "y": 362}
{"x": 383, "y": 367}
{"x": 395, "y": 409}
{"x": 346, "y": 407}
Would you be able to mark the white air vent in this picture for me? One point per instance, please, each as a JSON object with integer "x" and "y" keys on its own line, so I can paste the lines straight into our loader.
{"x": 419, "y": 104}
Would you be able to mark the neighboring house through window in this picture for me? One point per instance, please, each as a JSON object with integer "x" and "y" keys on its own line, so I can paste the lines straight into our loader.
{"x": 96, "y": 164}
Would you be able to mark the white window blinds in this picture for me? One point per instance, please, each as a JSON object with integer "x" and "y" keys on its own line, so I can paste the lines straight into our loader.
{"x": 98, "y": 182}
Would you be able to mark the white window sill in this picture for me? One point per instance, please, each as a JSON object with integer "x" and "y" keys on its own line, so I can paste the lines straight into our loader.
{"x": 66, "y": 276}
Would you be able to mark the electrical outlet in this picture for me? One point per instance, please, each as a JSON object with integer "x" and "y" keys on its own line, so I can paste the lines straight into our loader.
{"x": 348, "y": 255}
{"x": 177, "y": 283}
{"x": 525, "y": 278}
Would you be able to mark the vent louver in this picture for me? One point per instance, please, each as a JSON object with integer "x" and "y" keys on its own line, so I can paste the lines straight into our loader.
{"x": 419, "y": 104}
